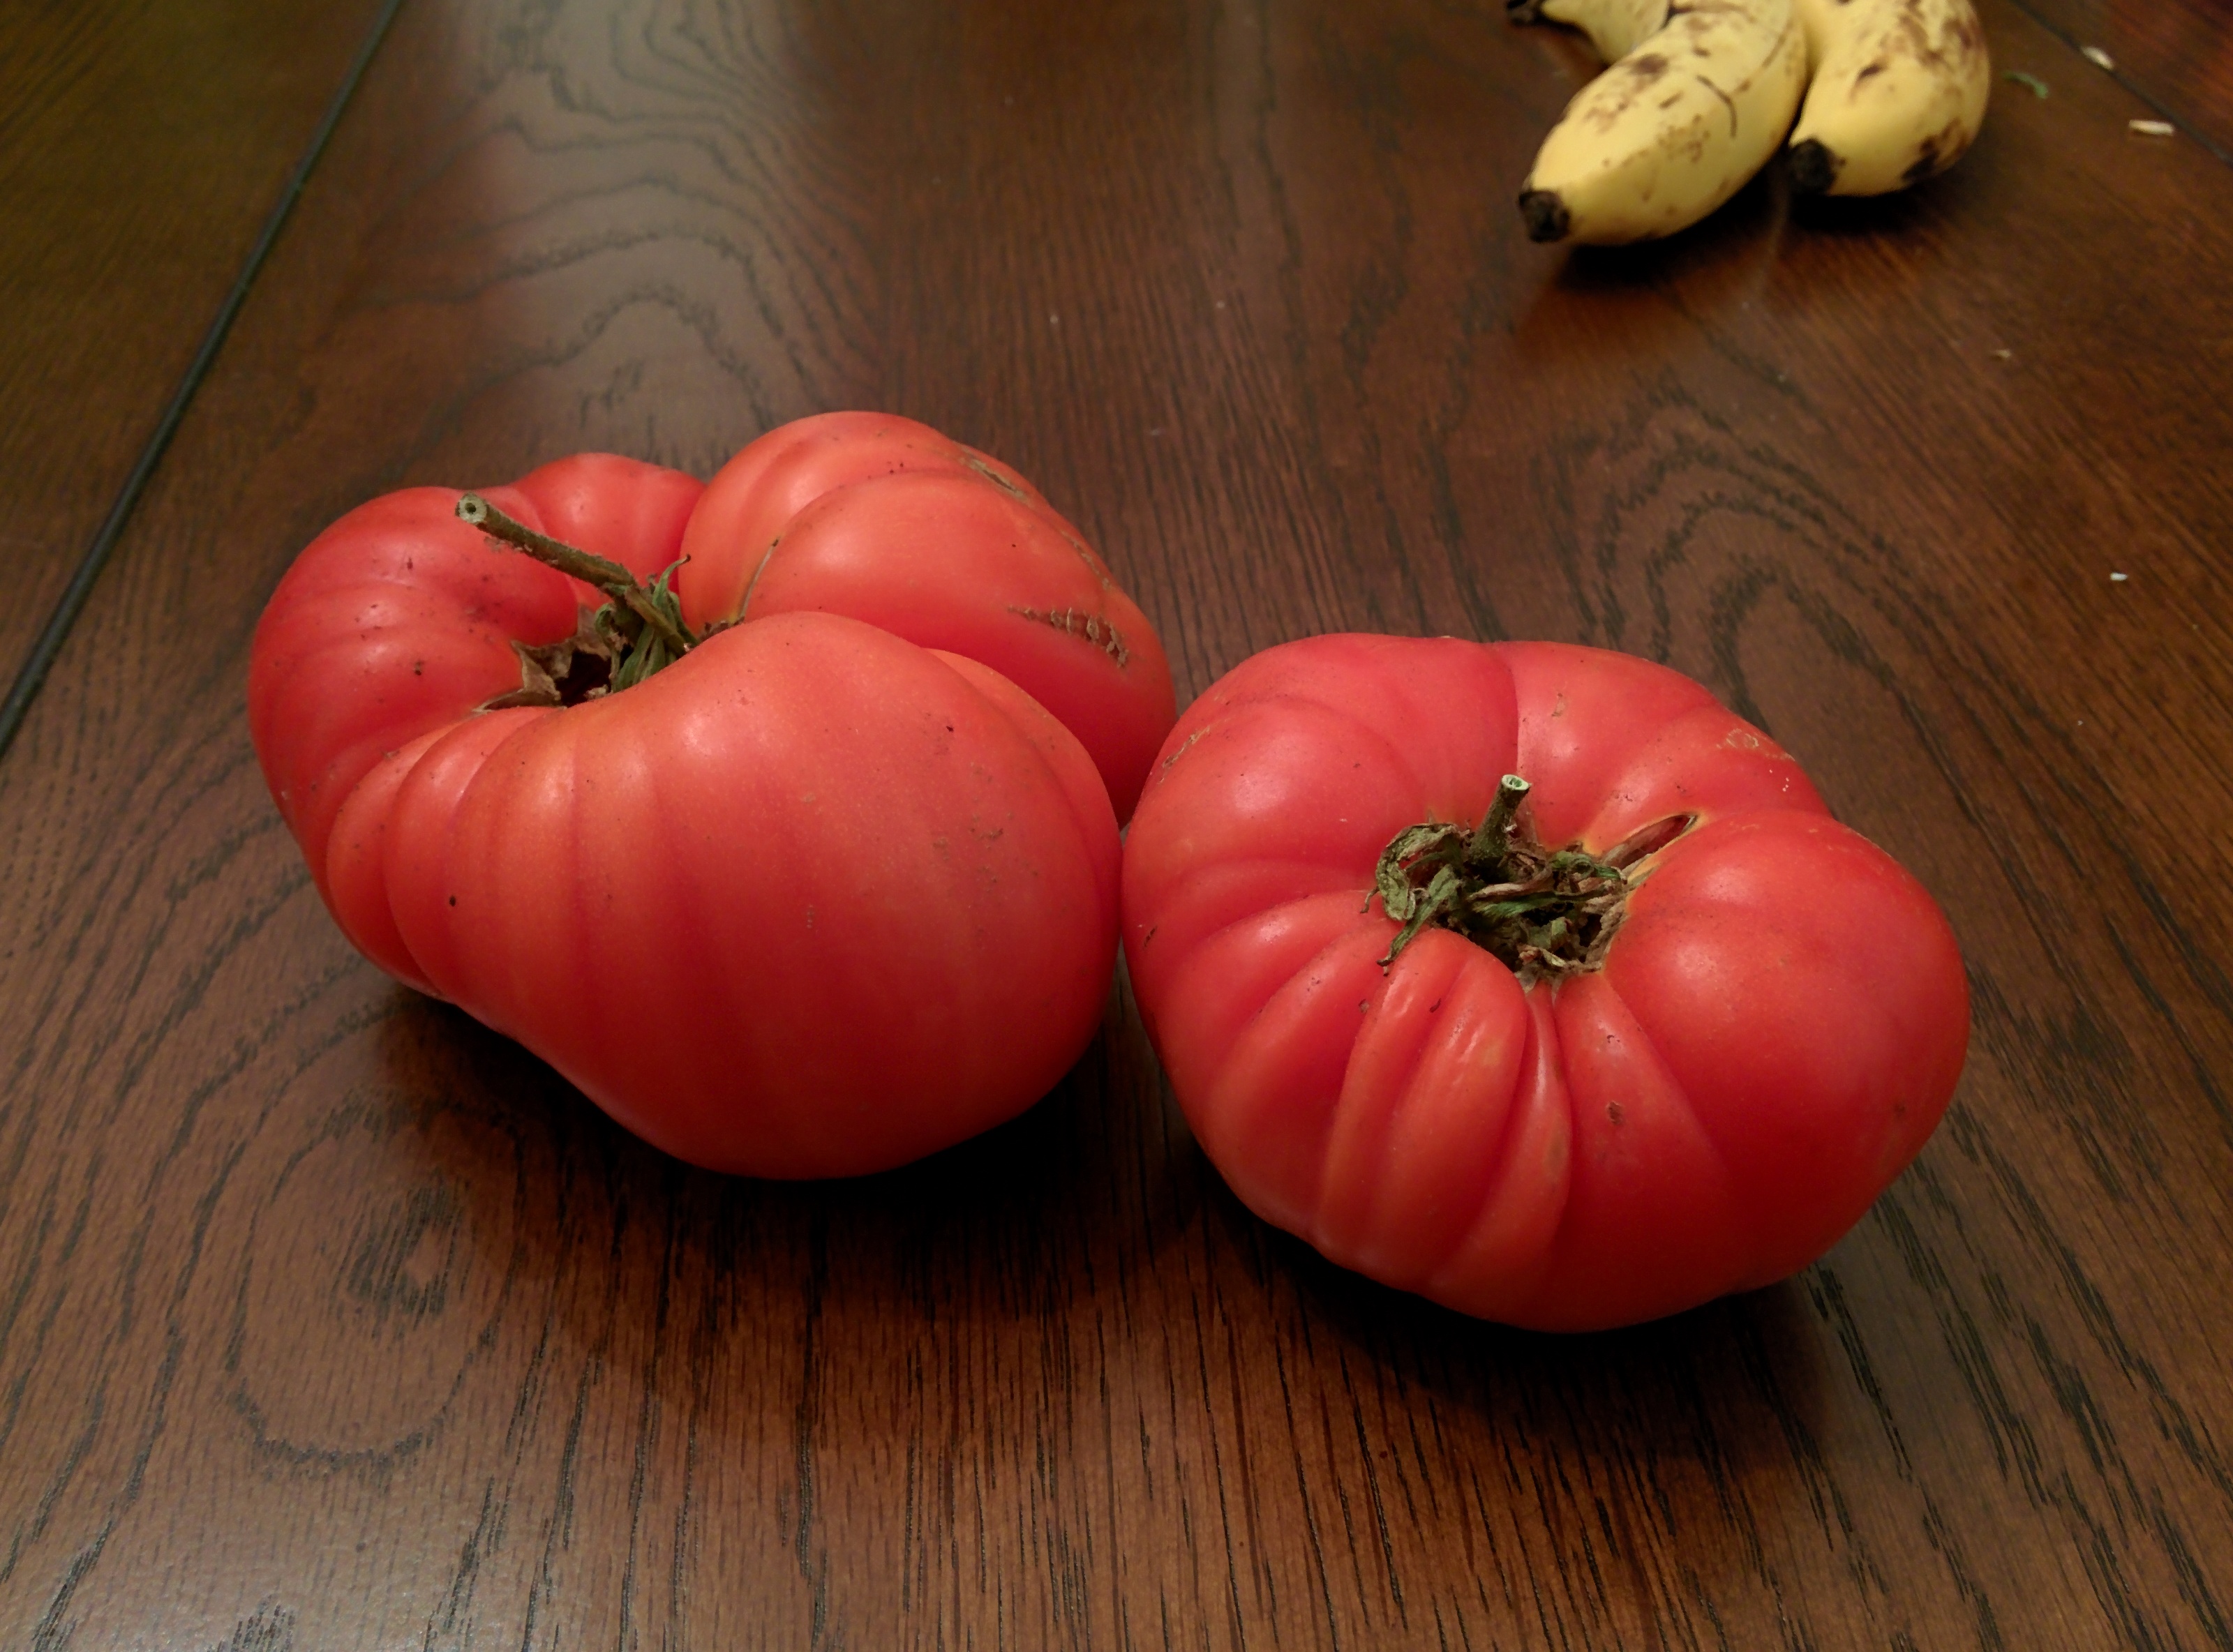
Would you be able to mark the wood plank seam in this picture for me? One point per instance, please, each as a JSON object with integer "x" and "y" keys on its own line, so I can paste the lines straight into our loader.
{"x": 72, "y": 602}
{"x": 2185, "y": 127}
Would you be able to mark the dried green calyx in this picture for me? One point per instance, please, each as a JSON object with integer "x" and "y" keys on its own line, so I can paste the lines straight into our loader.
{"x": 1541, "y": 912}
{"x": 638, "y": 629}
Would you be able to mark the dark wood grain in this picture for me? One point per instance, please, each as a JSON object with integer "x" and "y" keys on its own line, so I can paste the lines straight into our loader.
{"x": 328, "y": 1318}
{"x": 142, "y": 146}
{"x": 2176, "y": 54}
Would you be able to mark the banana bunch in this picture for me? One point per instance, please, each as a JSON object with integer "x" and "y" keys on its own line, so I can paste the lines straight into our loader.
{"x": 1701, "y": 93}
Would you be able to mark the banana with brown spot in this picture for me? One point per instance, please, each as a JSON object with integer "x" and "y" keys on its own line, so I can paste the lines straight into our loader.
{"x": 1674, "y": 127}
{"x": 1899, "y": 90}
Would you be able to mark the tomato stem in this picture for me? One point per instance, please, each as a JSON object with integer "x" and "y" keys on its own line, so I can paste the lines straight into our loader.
{"x": 1494, "y": 832}
{"x": 640, "y": 627}
{"x": 1541, "y": 912}
{"x": 584, "y": 565}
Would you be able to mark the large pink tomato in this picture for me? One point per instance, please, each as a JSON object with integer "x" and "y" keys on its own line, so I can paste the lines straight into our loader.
{"x": 886, "y": 520}
{"x": 1528, "y": 977}
{"x": 796, "y": 895}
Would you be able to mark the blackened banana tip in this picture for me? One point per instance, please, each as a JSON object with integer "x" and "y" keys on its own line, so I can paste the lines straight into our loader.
{"x": 1814, "y": 167}
{"x": 1545, "y": 214}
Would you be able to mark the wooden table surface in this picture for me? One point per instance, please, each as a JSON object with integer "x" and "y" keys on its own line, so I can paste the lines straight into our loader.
{"x": 329, "y": 1319}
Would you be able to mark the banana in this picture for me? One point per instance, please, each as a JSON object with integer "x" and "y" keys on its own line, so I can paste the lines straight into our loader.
{"x": 1616, "y": 28}
{"x": 1899, "y": 90}
{"x": 1690, "y": 112}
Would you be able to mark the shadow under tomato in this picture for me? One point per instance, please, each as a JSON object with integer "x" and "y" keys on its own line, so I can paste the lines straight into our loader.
{"x": 1078, "y": 1270}
{"x": 1010, "y": 1224}
{"x": 1736, "y": 1382}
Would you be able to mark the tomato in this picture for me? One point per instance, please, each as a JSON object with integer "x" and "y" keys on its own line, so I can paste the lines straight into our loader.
{"x": 1567, "y": 1091}
{"x": 886, "y": 520}
{"x": 813, "y": 899}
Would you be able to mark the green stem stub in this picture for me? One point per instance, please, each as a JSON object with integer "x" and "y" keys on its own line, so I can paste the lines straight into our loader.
{"x": 1541, "y": 912}
{"x": 638, "y": 630}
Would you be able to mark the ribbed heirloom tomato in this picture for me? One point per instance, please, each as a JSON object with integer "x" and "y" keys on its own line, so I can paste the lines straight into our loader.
{"x": 1528, "y": 977}
{"x": 800, "y": 858}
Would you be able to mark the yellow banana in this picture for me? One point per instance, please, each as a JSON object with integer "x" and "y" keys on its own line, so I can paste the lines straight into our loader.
{"x": 1899, "y": 89}
{"x": 1675, "y": 127}
{"x": 1616, "y": 28}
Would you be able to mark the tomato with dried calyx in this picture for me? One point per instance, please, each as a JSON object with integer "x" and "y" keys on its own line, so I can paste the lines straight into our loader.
{"x": 1528, "y": 977}
{"x": 787, "y": 892}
